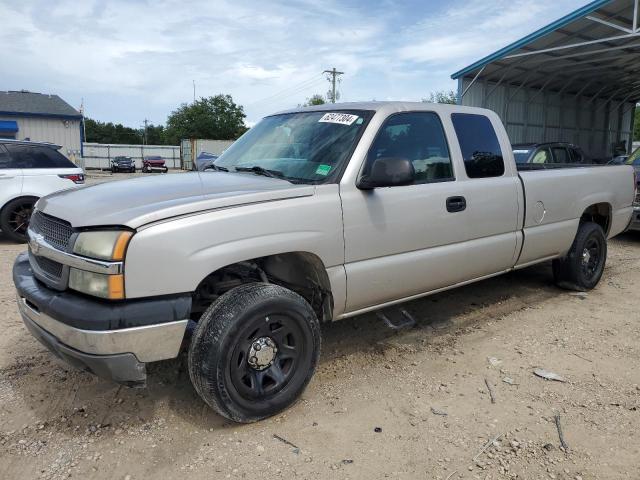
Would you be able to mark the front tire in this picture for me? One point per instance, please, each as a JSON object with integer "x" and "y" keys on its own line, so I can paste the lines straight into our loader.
{"x": 582, "y": 268}
{"x": 15, "y": 217}
{"x": 254, "y": 351}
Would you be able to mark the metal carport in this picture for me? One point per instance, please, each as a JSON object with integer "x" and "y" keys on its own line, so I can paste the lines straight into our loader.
{"x": 576, "y": 80}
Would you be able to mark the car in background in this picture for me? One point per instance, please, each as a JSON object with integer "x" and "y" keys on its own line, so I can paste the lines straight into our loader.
{"x": 123, "y": 164}
{"x": 153, "y": 163}
{"x": 28, "y": 171}
{"x": 552, "y": 153}
{"x": 618, "y": 160}
{"x": 204, "y": 161}
{"x": 634, "y": 160}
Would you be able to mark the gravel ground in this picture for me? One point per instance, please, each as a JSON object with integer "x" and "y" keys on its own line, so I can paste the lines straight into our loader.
{"x": 383, "y": 404}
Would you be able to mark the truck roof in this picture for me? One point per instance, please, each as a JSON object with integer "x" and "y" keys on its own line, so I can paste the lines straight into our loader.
{"x": 388, "y": 107}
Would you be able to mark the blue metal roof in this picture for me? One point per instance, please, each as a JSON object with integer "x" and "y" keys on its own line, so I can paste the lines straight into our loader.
{"x": 10, "y": 126}
{"x": 581, "y": 12}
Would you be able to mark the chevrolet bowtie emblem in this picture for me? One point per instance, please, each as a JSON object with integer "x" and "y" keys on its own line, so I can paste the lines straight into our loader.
{"x": 34, "y": 242}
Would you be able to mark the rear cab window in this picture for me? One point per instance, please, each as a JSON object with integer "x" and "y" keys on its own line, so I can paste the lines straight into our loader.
{"x": 38, "y": 156}
{"x": 479, "y": 144}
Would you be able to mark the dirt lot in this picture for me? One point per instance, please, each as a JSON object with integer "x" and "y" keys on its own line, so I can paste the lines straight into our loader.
{"x": 383, "y": 404}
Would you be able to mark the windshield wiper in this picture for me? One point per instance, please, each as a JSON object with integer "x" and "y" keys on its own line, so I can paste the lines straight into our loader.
{"x": 258, "y": 170}
{"x": 216, "y": 168}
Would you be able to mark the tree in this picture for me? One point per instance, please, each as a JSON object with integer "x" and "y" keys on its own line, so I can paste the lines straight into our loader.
{"x": 155, "y": 135}
{"x": 316, "y": 99}
{"x": 214, "y": 118}
{"x": 101, "y": 132}
{"x": 442, "y": 96}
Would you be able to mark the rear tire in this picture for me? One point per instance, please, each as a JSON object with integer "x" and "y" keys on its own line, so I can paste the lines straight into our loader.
{"x": 15, "y": 217}
{"x": 582, "y": 268}
{"x": 254, "y": 351}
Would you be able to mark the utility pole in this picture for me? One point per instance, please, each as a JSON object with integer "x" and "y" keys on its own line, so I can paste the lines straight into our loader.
{"x": 144, "y": 136}
{"x": 333, "y": 73}
{"x": 194, "y": 91}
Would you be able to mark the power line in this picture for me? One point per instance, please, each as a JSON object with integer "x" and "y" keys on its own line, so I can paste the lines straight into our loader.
{"x": 289, "y": 90}
{"x": 294, "y": 92}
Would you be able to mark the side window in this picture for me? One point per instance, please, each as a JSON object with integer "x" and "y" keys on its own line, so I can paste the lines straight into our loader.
{"x": 561, "y": 155}
{"x": 5, "y": 160}
{"x": 34, "y": 156}
{"x": 576, "y": 156}
{"x": 418, "y": 137}
{"x": 542, "y": 156}
{"x": 479, "y": 144}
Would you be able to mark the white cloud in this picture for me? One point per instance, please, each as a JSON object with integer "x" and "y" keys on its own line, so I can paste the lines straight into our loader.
{"x": 136, "y": 60}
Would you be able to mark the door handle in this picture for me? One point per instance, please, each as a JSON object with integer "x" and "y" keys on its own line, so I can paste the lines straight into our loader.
{"x": 456, "y": 204}
{"x": 6, "y": 177}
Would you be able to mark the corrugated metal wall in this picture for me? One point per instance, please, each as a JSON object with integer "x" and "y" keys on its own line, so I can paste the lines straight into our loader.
{"x": 533, "y": 116}
{"x": 99, "y": 155}
{"x": 201, "y": 145}
{"x": 54, "y": 130}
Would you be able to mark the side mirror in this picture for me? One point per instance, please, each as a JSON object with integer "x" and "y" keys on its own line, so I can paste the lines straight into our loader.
{"x": 388, "y": 172}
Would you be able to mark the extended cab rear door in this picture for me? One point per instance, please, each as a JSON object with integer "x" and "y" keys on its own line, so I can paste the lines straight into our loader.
{"x": 457, "y": 222}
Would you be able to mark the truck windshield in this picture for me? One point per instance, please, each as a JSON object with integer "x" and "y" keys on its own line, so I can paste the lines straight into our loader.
{"x": 634, "y": 158}
{"x": 521, "y": 154}
{"x": 302, "y": 147}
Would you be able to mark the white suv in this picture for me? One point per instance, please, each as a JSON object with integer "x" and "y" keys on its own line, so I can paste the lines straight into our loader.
{"x": 28, "y": 171}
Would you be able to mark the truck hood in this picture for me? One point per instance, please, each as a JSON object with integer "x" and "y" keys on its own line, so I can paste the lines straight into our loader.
{"x": 139, "y": 201}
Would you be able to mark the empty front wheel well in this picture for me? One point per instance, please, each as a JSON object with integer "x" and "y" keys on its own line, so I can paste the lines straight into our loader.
{"x": 599, "y": 213}
{"x": 302, "y": 272}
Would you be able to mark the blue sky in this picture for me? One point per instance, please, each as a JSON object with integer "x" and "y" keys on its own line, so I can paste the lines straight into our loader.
{"x": 132, "y": 60}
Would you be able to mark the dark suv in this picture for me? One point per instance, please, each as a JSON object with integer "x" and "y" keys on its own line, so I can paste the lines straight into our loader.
{"x": 558, "y": 153}
{"x": 123, "y": 164}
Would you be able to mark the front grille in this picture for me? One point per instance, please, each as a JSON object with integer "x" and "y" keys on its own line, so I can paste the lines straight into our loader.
{"x": 637, "y": 200}
{"x": 55, "y": 231}
{"x": 50, "y": 267}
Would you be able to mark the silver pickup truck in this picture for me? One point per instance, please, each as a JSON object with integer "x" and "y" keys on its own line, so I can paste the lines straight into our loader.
{"x": 314, "y": 215}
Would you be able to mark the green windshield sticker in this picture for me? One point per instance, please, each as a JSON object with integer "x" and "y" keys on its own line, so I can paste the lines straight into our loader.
{"x": 323, "y": 170}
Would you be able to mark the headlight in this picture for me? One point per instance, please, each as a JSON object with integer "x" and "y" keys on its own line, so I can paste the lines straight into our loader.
{"x": 103, "y": 245}
{"x": 97, "y": 284}
{"x": 109, "y": 245}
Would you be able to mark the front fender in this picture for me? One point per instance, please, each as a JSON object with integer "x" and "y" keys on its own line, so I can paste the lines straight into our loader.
{"x": 174, "y": 256}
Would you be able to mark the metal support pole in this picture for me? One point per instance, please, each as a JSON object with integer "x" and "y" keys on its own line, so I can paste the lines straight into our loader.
{"x": 632, "y": 128}
{"x": 471, "y": 84}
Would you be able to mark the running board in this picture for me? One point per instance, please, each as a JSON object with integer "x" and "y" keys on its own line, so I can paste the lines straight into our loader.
{"x": 396, "y": 319}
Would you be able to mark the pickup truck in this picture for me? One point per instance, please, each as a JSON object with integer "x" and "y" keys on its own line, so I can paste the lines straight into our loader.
{"x": 314, "y": 215}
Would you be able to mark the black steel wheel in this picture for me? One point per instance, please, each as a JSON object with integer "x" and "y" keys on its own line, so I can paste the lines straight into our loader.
{"x": 583, "y": 266}
{"x": 15, "y": 217}
{"x": 254, "y": 351}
